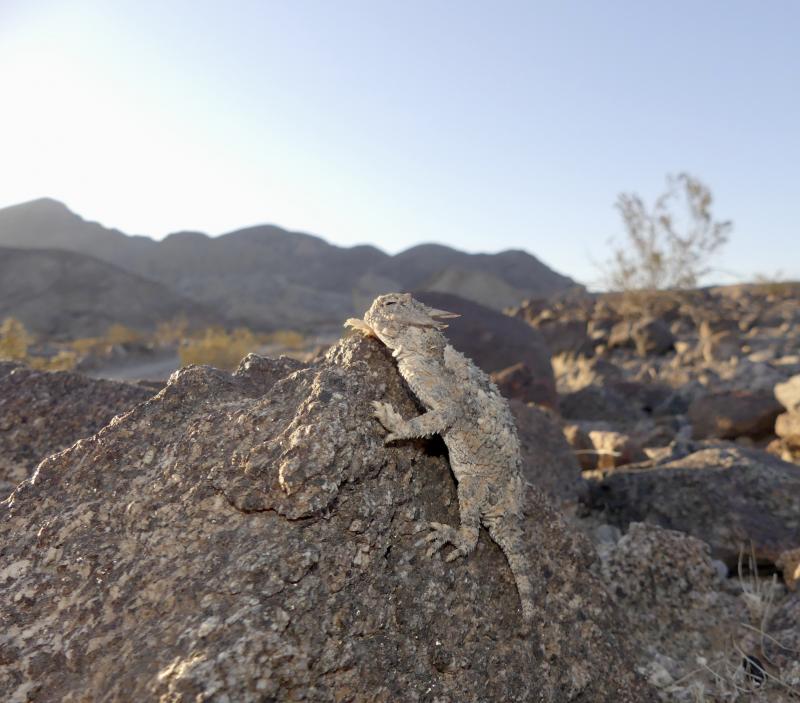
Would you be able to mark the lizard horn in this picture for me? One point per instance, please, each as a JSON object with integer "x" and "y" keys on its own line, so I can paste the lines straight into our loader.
{"x": 441, "y": 314}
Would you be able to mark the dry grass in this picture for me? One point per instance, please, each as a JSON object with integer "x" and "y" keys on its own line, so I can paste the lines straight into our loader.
{"x": 742, "y": 674}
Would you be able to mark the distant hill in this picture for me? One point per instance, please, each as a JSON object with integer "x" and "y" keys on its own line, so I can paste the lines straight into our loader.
{"x": 266, "y": 277}
{"x": 60, "y": 294}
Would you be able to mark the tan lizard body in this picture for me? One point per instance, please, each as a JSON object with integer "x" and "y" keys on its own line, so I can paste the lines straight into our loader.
{"x": 467, "y": 410}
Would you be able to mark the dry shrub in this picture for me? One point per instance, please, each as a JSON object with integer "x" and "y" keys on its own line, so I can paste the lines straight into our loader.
{"x": 289, "y": 339}
{"x": 219, "y": 348}
{"x": 120, "y": 334}
{"x": 65, "y": 360}
{"x": 14, "y": 340}
{"x": 670, "y": 245}
{"x": 171, "y": 332}
{"x": 14, "y": 346}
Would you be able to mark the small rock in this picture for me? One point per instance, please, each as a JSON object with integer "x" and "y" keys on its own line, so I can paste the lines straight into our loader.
{"x": 721, "y": 346}
{"x": 788, "y": 394}
{"x": 652, "y": 336}
{"x": 615, "y": 449}
{"x": 787, "y": 427}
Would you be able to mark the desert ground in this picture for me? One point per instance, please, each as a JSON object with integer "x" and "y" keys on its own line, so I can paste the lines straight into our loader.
{"x": 245, "y": 535}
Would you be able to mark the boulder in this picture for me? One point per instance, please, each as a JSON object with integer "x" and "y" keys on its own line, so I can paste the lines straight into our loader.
{"x": 549, "y": 463}
{"x": 518, "y": 382}
{"x": 668, "y": 583}
{"x": 730, "y": 497}
{"x": 248, "y": 537}
{"x": 603, "y": 403}
{"x": 731, "y": 414}
{"x": 44, "y": 412}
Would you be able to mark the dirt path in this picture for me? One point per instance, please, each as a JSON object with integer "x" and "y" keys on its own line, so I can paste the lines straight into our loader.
{"x": 153, "y": 369}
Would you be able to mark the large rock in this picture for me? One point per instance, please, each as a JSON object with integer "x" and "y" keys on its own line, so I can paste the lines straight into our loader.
{"x": 550, "y": 463}
{"x": 682, "y": 607}
{"x": 517, "y": 382}
{"x": 729, "y": 497}
{"x": 731, "y": 414}
{"x": 602, "y": 403}
{"x": 248, "y": 537}
{"x": 42, "y": 413}
{"x": 666, "y": 581}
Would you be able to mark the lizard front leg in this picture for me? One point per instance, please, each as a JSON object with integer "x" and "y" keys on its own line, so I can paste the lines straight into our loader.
{"x": 464, "y": 539}
{"x": 431, "y": 422}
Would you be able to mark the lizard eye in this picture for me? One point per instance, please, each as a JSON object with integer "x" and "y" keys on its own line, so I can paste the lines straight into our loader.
{"x": 390, "y": 302}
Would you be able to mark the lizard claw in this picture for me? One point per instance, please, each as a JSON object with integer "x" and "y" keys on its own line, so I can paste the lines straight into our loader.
{"x": 388, "y": 417}
{"x": 441, "y": 535}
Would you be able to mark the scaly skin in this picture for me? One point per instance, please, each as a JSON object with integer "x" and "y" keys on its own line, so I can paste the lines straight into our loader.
{"x": 467, "y": 410}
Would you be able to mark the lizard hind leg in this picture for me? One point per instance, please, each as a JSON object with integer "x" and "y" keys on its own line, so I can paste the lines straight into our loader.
{"x": 465, "y": 538}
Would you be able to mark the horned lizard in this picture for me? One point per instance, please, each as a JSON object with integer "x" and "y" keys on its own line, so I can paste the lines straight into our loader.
{"x": 467, "y": 410}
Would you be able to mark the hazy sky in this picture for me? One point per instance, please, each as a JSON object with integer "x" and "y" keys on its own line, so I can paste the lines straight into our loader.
{"x": 483, "y": 125}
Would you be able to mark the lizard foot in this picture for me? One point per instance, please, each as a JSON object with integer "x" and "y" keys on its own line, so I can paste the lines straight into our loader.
{"x": 440, "y": 535}
{"x": 389, "y": 418}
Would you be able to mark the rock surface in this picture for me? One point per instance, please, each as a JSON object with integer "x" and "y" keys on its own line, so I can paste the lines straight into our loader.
{"x": 729, "y": 497}
{"x": 42, "y": 413}
{"x": 734, "y": 414}
{"x": 678, "y": 611}
{"x": 248, "y": 537}
{"x": 550, "y": 463}
{"x": 693, "y": 625}
{"x": 517, "y": 382}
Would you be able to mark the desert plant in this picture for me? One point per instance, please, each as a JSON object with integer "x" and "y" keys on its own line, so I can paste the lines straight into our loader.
{"x": 64, "y": 360}
{"x": 289, "y": 339}
{"x": 14, "y": 340}
{"x": 219, "y": 348}
{"x": 120, "y": 334}
{"x": 171, "y": 332}
{"x": 666, "y": 246}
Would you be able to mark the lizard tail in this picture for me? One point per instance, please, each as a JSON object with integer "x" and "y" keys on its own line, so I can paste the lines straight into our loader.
{"x": 510, "y": 540}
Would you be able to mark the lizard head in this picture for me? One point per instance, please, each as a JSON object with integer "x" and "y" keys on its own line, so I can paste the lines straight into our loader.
{"x": 391, "y": 315}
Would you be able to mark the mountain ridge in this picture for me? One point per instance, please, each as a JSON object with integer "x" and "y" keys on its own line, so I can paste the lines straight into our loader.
{"x": 268, "y": 277}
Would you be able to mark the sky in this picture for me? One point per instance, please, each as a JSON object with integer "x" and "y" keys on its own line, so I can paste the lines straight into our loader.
{"x": 482, "y": 125}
